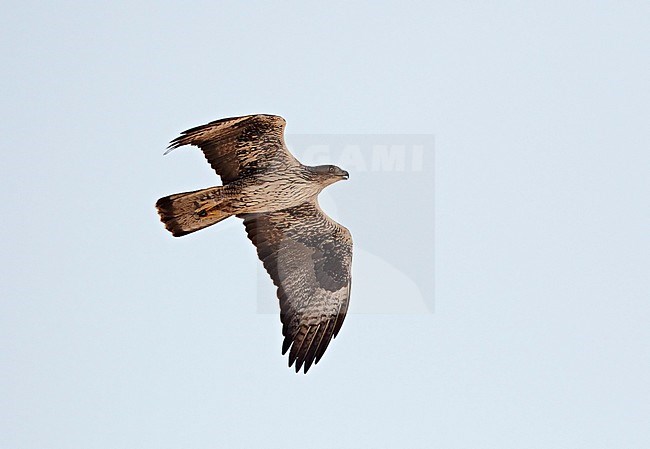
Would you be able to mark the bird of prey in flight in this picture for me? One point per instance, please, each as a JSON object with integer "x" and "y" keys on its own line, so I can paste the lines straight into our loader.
{"x": 307, "y": 254}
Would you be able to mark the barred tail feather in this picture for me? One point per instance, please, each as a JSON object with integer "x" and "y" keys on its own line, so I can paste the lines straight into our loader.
{"x": 184, "y": 213}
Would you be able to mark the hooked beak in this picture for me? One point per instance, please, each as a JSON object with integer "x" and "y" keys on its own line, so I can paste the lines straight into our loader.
{"x": 345, "y": 175}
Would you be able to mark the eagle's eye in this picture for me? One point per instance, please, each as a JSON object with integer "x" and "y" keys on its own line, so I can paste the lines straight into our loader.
{"x": 331, "y": 169}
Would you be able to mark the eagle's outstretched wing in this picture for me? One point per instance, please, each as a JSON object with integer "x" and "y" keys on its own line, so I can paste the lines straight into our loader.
{"x": 240, "y": 146}
{"x": 308, "y": 256}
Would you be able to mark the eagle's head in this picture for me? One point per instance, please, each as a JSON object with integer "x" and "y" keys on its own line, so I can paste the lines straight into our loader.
{"x": 329, "y": 174}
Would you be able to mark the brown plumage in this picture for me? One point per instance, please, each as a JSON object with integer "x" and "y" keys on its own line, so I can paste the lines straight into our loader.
{"x": 307, "y": 254}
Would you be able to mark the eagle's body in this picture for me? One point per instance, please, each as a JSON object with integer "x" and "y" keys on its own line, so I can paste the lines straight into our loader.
{"x": 307, "y": 254}
{"x": 268, "y": 192}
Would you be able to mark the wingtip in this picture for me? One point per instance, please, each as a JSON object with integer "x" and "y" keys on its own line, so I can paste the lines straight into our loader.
{"x": 299, "y": 364}
{"x": 172, "y": 146}
{"x": 286, "y": 344}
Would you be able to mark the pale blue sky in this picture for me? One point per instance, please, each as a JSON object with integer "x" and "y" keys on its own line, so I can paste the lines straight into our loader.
{"x": 115, "y": 335}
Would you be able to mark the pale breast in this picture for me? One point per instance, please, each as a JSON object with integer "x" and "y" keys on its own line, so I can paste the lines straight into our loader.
{"x": 275, "y": 191}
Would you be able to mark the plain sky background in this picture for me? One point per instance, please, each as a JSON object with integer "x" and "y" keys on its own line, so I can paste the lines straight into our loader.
{"x": 115, "y": 335}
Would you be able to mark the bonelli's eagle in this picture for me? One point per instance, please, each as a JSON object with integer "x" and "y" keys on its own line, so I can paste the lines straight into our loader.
{"x": 306, "y": 253}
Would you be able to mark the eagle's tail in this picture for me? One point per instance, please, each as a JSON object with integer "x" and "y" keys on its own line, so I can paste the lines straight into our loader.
{"x": 187, "y": 212}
